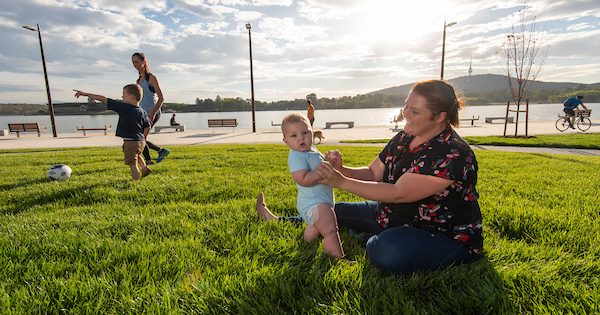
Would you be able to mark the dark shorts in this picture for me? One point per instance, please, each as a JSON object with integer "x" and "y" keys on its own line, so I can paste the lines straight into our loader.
{"x": 569, "y": 112}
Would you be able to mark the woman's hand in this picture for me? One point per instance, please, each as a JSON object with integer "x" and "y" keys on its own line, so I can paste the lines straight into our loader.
{"x": 334, "y": 157}
{"x": 330, "y": 176}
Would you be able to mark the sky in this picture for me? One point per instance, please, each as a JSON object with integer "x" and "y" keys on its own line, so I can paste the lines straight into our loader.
{"x": 333, "y": 48}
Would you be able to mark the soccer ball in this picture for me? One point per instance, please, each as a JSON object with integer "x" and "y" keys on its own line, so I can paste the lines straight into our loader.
{"x": 59, "y": 172}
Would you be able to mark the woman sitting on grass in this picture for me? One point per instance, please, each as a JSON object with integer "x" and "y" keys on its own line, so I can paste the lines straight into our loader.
{"x": 421, "y": 211}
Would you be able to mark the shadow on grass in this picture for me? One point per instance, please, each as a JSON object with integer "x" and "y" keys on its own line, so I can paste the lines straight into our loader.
{"x": 23, "y": 184}
{"x": 305, "y": 280}
{"x": 26, "y": 183}
{"x": 474, "y": 288}
{"x": 318, "y": 285}
{"x": 53, "y": 197}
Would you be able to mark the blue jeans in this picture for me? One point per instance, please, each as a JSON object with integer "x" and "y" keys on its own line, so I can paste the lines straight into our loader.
{"x": 401, "y": 249}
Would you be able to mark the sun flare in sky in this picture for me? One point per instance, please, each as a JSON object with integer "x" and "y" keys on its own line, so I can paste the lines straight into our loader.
{"x": 393, "y": 20}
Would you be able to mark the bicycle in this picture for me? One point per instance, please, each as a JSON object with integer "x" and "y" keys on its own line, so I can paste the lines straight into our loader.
{"x": 582, "y": 121}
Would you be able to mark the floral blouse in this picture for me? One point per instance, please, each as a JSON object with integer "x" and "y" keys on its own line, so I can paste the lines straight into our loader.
{"x": 454, "y": 211}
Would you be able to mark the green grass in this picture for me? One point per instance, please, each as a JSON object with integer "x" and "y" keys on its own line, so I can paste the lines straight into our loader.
{"x": 572, "y": 140}
{"x": 186, "y": 239}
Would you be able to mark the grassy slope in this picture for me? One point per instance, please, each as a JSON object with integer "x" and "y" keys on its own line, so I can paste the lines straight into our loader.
{"x": 186, "y": 239}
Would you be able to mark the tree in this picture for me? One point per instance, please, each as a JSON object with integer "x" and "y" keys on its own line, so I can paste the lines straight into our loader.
{"x": 525, "y": 55}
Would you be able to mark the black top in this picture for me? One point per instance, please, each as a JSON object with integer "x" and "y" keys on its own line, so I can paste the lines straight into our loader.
{"x": 132, "y": 120}
{"x": 454, "y": 211}
{"x": 173, "y": 122}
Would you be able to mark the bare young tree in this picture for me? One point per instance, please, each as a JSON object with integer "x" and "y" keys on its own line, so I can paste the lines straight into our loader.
{"x": 525, "y": 55}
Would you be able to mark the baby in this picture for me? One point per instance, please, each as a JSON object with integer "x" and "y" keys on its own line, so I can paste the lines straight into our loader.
{"x": 315, "y": 201}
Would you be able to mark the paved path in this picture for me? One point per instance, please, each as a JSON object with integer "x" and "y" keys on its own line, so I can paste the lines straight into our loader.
{"x": 273, "y": 135}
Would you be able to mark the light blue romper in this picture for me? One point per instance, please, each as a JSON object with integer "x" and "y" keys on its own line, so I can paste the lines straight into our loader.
{"x": 309, "y": 197}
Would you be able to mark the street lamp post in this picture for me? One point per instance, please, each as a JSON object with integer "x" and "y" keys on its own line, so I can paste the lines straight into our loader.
{"x": 50, "y": 106}
{"x": 249, "y": 27}
{"x": 444, "y": 47}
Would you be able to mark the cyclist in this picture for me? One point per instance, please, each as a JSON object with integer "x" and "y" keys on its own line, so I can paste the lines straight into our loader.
{"x": 570, "y": 104}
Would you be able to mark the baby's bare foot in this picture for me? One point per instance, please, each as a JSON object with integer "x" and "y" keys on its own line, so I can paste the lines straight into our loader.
{"x": 263, "y": 212}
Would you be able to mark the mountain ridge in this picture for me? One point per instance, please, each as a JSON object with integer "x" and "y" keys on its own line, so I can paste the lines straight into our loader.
{"x": 490, "y": 83}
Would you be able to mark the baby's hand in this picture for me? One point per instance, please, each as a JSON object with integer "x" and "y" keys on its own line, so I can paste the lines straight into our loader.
{"x": 334, "y": 157}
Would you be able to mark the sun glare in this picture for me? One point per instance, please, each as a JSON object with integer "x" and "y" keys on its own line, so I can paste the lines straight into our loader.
{"x": 396, "y": 20}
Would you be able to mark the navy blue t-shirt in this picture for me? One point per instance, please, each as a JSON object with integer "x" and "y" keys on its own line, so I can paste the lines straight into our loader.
{"x": 572, "y": 103}
{"x": 132, "y": 120}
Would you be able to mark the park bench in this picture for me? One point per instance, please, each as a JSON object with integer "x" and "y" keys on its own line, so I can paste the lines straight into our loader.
{"x": 84, "y": 129}
{"x": 176, "y": 127}
{"x": 328, "y": 124}
{"x": 490, "y": 120}
{"x": 275, "y": 125}
{"x": 471, "y": 119}
{"x": 24, "y": 127}
{"x": 227, "y": 122}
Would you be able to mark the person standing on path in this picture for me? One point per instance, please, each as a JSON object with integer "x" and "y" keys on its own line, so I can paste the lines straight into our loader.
{"x": 149, "y": 103}
{"x": 310, "y": 112}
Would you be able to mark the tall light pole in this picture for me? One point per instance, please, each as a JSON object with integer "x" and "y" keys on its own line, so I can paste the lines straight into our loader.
{"x": 249, "y": 27}
{"x": 50, "y": 107}
{"x": 444, "y": 47}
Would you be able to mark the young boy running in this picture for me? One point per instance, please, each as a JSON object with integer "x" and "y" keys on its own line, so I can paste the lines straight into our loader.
{"x": 133, "y": 126}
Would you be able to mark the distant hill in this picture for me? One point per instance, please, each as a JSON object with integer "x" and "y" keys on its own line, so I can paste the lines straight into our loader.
{"x": 492, "y": 83}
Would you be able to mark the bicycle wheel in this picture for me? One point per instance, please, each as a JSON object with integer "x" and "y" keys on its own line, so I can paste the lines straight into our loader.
{"x": 584, "y": 123}
{"x": 561, "y": 124}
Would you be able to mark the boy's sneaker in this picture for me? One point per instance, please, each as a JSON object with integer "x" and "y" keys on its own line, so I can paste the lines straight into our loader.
{"x": 162, "y": 154}
{"x": 146, "y": 172}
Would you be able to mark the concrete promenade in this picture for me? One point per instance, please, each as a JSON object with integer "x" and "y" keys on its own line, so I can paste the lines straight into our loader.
{"x": 273, "y": 135}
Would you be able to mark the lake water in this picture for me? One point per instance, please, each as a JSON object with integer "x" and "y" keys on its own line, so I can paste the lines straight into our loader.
{"x": 361, "y": 117}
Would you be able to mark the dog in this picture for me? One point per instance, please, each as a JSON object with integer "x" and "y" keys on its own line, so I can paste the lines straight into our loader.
{"x": 318, "y": 135}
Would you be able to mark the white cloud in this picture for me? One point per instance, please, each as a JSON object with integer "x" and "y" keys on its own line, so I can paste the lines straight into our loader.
{"x": 199, "y": 48}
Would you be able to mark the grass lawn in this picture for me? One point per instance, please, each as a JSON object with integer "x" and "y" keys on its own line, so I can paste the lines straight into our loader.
{"x": 572, "y": 140}
{"x": 186, "y": 239}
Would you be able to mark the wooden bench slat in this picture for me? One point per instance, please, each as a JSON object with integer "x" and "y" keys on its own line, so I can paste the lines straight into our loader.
{"x": 228, "y": 122}
{"x": 24, "y": 127}
{"x": 84, "y": 129}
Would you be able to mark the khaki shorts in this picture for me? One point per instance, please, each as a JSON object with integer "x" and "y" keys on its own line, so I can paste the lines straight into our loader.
{"x": 131, "y": 149}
